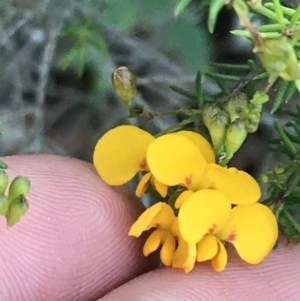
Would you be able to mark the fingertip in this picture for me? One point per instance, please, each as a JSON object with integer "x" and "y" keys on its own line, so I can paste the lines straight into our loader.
{"x": 73, "y": 242}
{"x": 273, "y": 280}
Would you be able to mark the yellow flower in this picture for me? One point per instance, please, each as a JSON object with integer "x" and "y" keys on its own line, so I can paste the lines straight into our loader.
{"x": 238, "y": 186}
{"x": 179, "y": 159}
{"x": 121, "y": 153}
{"x": 174, "y": 250}
{"x": 206, "y": 219}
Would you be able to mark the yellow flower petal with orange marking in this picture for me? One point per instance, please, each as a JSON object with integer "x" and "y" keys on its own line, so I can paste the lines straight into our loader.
{"x": 185, "y": 255}
{"x": 182, "y": 197}
{"x": 159, "y": 215}
{"x": 238, "y": 186}
{"x": 176, "y": 160}
{"x": 219, "y": 262}
{"x": 161, "y": 188}
{"x": 207, "y": 248}
{"x": 203, "y": 145}
{"x": 253, "y": 230}
{"x": 204, "y": 212}
{"x": 143, "y": 184}
{"x": 120, "y": 154}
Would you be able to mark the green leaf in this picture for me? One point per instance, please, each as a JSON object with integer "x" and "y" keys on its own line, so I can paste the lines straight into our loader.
{"x": 279, "y": 13}
{"x": 214, "y": 9}
{"x": 181, "y": 6}
{"x": 268, "y": 28}
{"x": 262, "y": 10}
{"x": 290, "y": 148}
{"x": 223, "y": 76}
{"x": 295, "y": 17}
{"x": 67, "y": 60}
{"x": 80, "y": 60}
{"x": 281, "y": 88}
{"x": 286, "y": 10}
{"x": 293, "y": 183}
{"x": 230, "y": 66}
{"x": 99, "y": 43}
{"x": 293, "y": 124}
{"x": 183, "y": 92}
{"x": 261, "y": 76}
{"x": 247, "y": 34}
{"x": 198, "y": 88}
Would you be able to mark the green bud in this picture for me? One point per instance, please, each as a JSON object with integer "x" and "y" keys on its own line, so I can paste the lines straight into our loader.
{"x": 124, "y": 83}
{"x": 252, "y": 122}
{"x": 217, "y": 130}
{"x": 3, "y": 181}
{"x": 260, "y": 98}
{"x": 265, "y": 178}
{"x": 208, "y": 112}
{"x": 4, "y": 204}
{"x": 236, "y": 106}
{"x": 19, "y": 186}
{"x": 18, "y": 207}
{"x": 279, "y": 169}
{"x": 3, "y": 165}
{"x": 279, "y": 58}
{"x": 235, "y": 136}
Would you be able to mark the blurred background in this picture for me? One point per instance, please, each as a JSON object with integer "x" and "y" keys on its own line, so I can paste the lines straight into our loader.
{"x": 57, "y": 56}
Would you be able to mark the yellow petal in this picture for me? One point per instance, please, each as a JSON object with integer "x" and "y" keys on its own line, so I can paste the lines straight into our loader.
{"x": 161, "y": 188}
{"x": 204, "y": 212}
{"x": 176, "y": 160}
{"x": 182, "y": 197}
{"x": 153, "y": 241}
{"x": 121, "y": 153}
{"x": 238, "y": 186}
{"x": 184, "y": 256}
{"x": 203, "y": 145}
{"x": 143, "y": 184}
{"x": 159, "y": 215}
{"x": 207, "y": 248}
{"x": 253, "y": 230}
{"x": 167, "y": 249}
{"x": 219, "y": 262}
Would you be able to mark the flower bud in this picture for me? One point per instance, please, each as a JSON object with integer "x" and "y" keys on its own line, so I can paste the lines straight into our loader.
{"x": 259, "y": 98}
{"x": 265, "y": 178}
{"x": 252, "y": 122}
{"x": 19, "y": 186}
{"x": 18, "y": 207}
{"x": 3, "y": 181}
{"x": 278, "y": 56}
{"x": 236, "y": 106}
{"x": 4, "y": 204}
{"x": 279, "y": 169}
{"x": 217, "y": 130}
{"x": 124, "y": 83}
{"x": 208, "y": 112}
{"x": 3, "y": 165}
{"x": 235, "y": 136}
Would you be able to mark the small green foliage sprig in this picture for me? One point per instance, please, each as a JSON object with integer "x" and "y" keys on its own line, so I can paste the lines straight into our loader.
{"x": 14, "y": 204}
{"x": 284, "y": 179}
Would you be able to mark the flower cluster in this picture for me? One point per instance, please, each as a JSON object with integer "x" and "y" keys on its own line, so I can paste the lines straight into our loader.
{"x": 213, "y": 204}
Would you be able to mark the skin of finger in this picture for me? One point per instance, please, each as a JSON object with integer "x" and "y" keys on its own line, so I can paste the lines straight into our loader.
{"x": 73, "y": 243}
{"x": 275, "y": 279}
